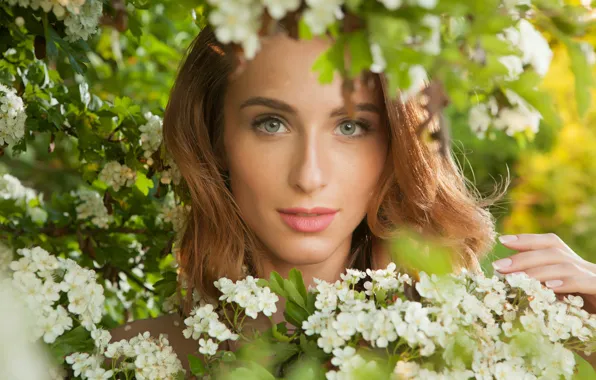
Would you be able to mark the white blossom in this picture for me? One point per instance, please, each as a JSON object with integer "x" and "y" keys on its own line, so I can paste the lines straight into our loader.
{"x": 418, "y": 79}
{"x": 391, "y": 4}
{"x": 12, "y": 116}
{"x": 91, "y": 206}
{"x": 531, "y": 44}
{"x": 151, "y": 135}
{"x": 322, "y": 13}
{"x": 238, "y": 22}
{"x": 278, "y": 8}
{"x": 117, "y": 175}
{"x": 11, "y": 188}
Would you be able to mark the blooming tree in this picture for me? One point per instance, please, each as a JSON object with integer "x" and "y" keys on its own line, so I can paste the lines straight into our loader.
{"x": 107, "y": 210}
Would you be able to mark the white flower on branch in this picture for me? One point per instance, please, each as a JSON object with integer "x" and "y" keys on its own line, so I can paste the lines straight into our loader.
{"x": 92, "y": 206}
{"x": 418, "y": 79}
{"x": 279, "y": 8}
{"x": 322, "y": 13}
{"x": 514, "y": 66}
{"x": 172, "y": 173}
{"x": 11, "y": 188}
{"x": 12, "y": 116}
{"x": 151, "y": 135}
{"x": 531, "y": 44}
{"x": 239, "y": 22}
{"x": 81, "y": 17}
{"x": 33, "y": 278}
{"x": 117, "y": 175}
{"x": 522, "y": 116}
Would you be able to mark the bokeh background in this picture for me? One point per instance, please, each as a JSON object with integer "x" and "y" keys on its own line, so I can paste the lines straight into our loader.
{"x": 553, "y": 177}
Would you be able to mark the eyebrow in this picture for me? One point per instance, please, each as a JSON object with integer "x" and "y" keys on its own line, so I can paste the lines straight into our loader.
{"x": 285, "y": 107}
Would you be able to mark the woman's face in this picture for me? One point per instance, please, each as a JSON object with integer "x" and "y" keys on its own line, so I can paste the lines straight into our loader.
{"x": 291, "y": 148}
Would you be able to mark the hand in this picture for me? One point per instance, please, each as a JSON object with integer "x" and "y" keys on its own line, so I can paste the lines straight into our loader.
{"x": 548, "y": 259}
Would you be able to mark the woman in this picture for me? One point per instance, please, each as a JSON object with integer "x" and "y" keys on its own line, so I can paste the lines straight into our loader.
{"x": 279, "y": 177}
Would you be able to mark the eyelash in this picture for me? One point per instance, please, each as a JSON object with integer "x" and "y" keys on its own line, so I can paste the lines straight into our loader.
{"x": 365, "y": 125}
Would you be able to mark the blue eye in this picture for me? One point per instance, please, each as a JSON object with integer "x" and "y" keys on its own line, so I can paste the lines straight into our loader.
{"x": 270, "y": 125}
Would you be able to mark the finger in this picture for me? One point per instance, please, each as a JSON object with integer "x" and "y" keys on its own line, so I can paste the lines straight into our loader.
{"x": 529, "y": 259}
{"x": 576, "y": 284}
{"x": 530, "y": 242}
{"x": 555, "y": 271}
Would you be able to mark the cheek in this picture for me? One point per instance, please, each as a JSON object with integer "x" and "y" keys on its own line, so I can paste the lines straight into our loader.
{"x": 251, "y": 169}
{"x": 361, "y": 171}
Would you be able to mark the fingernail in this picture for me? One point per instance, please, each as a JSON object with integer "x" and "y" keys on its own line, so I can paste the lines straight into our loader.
{"x": 553, "y": 283}
{"x": 503, "y": 263}
{"x": 507, "y": 238}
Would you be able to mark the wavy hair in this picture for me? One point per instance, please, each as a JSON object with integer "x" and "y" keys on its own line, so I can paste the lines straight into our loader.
{"x": 419, "y": 188}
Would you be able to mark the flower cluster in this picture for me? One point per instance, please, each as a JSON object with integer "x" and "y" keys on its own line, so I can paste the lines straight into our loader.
{"x": 203, "y": 325}
{"x": 21, "y": 358}
{"x": 117, "y": 175}
{"x": 34, "y": 277}
{"x": 171, "y": 174}
{"x": 248, "y": 295}
{"x": 91, "y": 206}
{"x": 531, "y": 44}
{"x": 491, "y": 318}
{"x": 520, "y": 116}
{"x": 151, "y": 135}
{"x": 81, "y": 17}
{"x": 173, "y": 213}
{"x": 147, "y": 357}
{"x": 11, "y": 188}
{"x": 12, "y": 116}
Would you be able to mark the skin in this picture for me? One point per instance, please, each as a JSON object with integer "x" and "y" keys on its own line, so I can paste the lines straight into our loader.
{"x": 304, "y": 157}
{"x": 547, "y": 258}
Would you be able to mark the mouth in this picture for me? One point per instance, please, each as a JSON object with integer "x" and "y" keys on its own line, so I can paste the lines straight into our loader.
{"x": 308, "y": 220}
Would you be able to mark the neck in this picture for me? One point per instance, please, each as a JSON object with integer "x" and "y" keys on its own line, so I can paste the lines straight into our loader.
{"x": 328, "y": 270}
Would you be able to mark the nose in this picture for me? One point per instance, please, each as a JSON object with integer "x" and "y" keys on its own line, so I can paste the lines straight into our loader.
{"x": 308, "y": 174}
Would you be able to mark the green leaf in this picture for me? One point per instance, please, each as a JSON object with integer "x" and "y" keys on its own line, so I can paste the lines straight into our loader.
{"x": 143, "y": 183}
{"x": 196, "y": 365}
{"x": 282, "y": 351}
{"x": 263, "y": 283}
{"x": 75, "y": 340}
{"x": 278, "y": 335}
{"x": 252, "y": 371}
{"x": 295, "y": 314}
{"x": 304, "y": 32}
{"x": 295, "y": 277}
{"x": 583, "y": 76}
{"x": 310, "y": 348}
{"x": 584, "y": 370}
{"x": 228, "y": 356}
{"x": 310, "y": 303}
{"x": 353, "y": 5}
{"x": 360, "y": 55}
{"x": 331, "y": 60}
{"x": 293, "y": 294}
{"x": 411, "y": 251}
{"x": 276, "y": 284}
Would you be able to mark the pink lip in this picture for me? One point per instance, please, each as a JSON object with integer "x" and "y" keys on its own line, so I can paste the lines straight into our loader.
{"x": 301, "y": 223}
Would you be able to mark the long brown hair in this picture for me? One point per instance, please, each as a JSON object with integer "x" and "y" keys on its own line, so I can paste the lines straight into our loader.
{"x": 419, "y": 188}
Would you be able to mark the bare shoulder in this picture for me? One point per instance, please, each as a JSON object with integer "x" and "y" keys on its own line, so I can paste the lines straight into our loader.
{"x": 169, "y": 324}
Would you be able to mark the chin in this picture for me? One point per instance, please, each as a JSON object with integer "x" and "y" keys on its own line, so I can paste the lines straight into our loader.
{"x": 305, "y": 251}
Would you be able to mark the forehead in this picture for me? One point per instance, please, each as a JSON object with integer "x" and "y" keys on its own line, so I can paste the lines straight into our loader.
{"x": 283, "y": 69}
